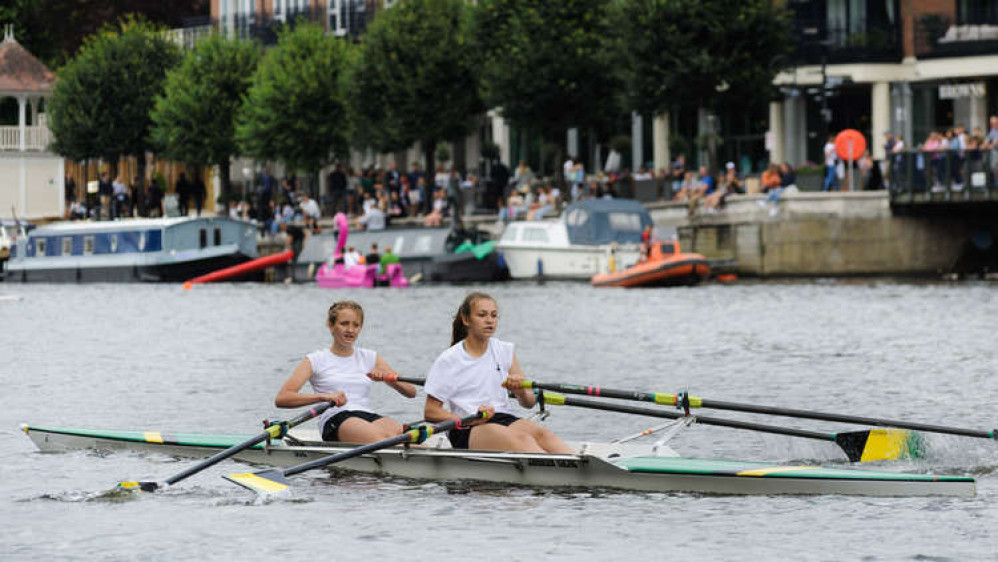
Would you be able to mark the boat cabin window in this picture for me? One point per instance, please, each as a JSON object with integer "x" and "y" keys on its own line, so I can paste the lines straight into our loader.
{"x": 577, "y": 217}
{"x": 668, "y": 248}
{"x": 40, "y": 247}
{"x": 142, "y": 241}
{"x": 422, "y": 244}
{"x": 114, "y": 243}
{"x": 535, "y": 235}
{"x": 218, "y": 236}
{"x": 203, "y": 237}
{"x": 625, "y": 221}
{"x": 511, "y": 234}
{"x": 88, "y": 245}
{"x": 67, "y": 246}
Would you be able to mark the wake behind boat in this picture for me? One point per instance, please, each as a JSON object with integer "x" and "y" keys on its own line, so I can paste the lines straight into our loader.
{"x": 598, "y": 465}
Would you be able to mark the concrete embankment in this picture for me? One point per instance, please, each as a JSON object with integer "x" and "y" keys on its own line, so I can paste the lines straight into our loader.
{"x": 832, "y": 234}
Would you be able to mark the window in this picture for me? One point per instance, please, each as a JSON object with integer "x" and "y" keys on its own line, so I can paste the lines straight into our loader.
{"x": 625, "y": 221}
{"x": 337, "y": 17}
{"x": 67, "y": 245}
{"x": 203, "y": 237}
{"x": 667, "y": 249}
{"x": 142, "y": 241}
{"x": 535, "y": 235}
{"x": 218, "y": 236}
{"x": 114, "y": 243}
{"x": 577, "y": 217}
{"x": 88, "y": 245}
{"x": 40, "y": 247}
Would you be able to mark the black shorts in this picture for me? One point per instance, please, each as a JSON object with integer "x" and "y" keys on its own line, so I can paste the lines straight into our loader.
{"x": 459, "y": 437}
{"x": 330, "y": 431}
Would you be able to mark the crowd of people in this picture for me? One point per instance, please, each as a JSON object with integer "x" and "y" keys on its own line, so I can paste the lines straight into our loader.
{"x": 112, "y": 199}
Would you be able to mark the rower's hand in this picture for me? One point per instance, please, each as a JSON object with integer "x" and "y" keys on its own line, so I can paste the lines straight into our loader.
{"x": 514, "y": 383}
{"x": 338, "y": 398}
{"x": 380, "y": 374}
{"x": 489, "y": 410}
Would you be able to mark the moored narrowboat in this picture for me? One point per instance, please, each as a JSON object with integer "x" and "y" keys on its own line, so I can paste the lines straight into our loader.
{"x": 130, "y": 250}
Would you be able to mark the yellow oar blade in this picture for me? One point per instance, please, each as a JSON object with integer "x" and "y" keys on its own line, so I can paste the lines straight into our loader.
{"x": 265, "y": 482}
{"x": 881, "y": 445}
{"x": 140, "y": 486}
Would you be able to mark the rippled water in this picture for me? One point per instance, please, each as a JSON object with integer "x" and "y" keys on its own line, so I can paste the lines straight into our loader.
{"x": 155, "y": 357}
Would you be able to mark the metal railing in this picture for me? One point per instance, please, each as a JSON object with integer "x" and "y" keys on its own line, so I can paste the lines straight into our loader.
{"x": 936, "y": 35}
{"x": 35, "y": 138}
{"x": 943, "y": 176}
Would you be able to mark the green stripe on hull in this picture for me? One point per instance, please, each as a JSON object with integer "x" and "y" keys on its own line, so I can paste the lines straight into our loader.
{"x": 219, "y": 441}
{"x": 746, "y": 469}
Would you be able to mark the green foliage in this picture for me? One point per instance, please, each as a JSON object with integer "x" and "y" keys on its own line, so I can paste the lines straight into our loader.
{"x": 549, "y": 65}
{"x": 416, "y": 78}
{"x": 194, "y": 120}
{"x": 101, "y": 103}
{"x": 621, "y": 143}
{"x": 682, "y": 52}
{"x": 295, "y": 109}
{"x": 443, "y": 153}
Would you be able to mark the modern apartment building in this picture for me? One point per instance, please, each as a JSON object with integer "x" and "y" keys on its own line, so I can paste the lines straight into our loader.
{"x": 902, "y": 66}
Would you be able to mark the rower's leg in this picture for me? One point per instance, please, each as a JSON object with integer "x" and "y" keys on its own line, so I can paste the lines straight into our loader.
{"x": 543, "y": 436}
{"x": 495, "y": 437}
{"x": 356, "y": 430}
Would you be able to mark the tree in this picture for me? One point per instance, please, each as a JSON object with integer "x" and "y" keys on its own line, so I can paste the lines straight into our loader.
{"x": 549, "y": 65}
{"x": 102, "y": 100}
{"x": 53, "y": 30}
{"x": 295, "y": 108}
{"x": 416, "y": 78}
{"x": 194, "y": 120}
{"x": 701, "y": 53}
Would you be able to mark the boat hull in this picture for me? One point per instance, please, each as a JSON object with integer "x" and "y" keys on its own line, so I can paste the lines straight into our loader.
{"x": 673, "y": 272}
{"x": 170, "y": 272}
{"x": 597, "y": 466}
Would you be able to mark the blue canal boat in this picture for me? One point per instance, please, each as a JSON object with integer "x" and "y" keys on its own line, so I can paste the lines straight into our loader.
{"x": 167, "y": 249}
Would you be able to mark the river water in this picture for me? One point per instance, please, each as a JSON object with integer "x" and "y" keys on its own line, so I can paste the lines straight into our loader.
{"x": 154, "y": 357}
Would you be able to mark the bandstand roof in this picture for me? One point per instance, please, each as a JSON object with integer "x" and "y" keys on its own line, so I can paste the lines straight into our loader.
{"x": 20, "y": 71}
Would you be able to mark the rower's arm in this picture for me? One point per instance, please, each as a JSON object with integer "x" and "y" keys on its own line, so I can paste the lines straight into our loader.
{"x": 290, "y": 396}
{"x": 434, "y": 411}
{"x": 383, "y": 372}
{"x": 524, "y": 396}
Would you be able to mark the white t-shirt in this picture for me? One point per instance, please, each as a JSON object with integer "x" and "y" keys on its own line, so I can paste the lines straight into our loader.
{"x": 463, "y": 383}
{"x": 830, "y": 157}
{"x": 331, "y": 373}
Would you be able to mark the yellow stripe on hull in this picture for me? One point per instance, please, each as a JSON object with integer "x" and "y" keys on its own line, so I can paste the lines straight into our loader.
{"x": 152, "y": 436}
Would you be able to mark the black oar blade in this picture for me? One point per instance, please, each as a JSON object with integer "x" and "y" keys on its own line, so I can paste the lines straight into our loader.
{"x": 263, "y": 482}
{"x": 140, "y": 486}
{"x": 881, "y": 445}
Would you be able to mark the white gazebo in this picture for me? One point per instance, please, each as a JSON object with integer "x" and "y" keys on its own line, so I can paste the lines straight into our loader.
{"x": 31, "y": 177}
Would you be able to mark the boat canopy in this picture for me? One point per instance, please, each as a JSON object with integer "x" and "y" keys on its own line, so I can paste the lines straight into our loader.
{"x": 602, "y": 221}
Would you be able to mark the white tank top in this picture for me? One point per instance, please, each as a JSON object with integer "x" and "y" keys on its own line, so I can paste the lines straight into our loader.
{"x": 331, "y": 373}
{"x": 463, "y": 383}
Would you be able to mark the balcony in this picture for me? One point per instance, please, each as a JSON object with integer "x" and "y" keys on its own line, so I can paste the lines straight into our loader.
{"x": 838, "y": 45}
{"x": 35, "y": 138}
{"x": 194, "y": 30}
{"x": 938, "y": 36}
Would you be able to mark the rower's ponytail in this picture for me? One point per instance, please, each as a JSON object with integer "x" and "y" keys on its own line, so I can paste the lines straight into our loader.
{"x": 459, "y": 331}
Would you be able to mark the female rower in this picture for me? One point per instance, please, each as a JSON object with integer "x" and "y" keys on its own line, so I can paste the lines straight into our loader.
{"x": 342, "y": 374}
{"x": 474, "y": 374}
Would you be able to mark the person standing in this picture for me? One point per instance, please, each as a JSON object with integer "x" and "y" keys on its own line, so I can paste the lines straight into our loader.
{"x": 337, "y": 182}
{"x": 200, "y": 192}
{"x": 342, "y": 374}
{"x": 831, "y": 161}
{"x": 105, "y": 192}
{"x": 120, "y": 203}
{"x": 477, "y": 373}
{"x": 414, "y": 176}
{"x": 69, "y": 190}
{"x": 295, "y": 243}
{"x": 183, "y": 189}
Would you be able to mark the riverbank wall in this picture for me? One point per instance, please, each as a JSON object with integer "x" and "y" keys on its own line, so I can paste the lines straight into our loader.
{"x": 832, "y": 234}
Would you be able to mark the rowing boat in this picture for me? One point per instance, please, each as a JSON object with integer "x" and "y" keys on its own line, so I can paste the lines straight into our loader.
{"x": 623, "y": 466}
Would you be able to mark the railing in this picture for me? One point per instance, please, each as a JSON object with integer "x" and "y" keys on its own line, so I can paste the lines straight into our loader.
{"x": 836, "y": 45}
{"x": 937, "y": 35}
{"x": 194, "y": 30}
{"x": 943, "y": 176}
{"x": 35, "y": 138}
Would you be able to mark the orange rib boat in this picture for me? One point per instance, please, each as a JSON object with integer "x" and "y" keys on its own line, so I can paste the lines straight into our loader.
{"x": 666, "y": 266}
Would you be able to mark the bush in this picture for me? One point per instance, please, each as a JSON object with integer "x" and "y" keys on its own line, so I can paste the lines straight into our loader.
{"x": 443, "y": 153}
{"x": 620, "y": 143}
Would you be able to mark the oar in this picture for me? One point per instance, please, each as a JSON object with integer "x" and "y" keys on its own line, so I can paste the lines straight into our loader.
{"x": 685, "y": 400}
{"x": 276, "y": 480}
{"x": 867, "y": 445}
{"x": 275, "y": 430}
